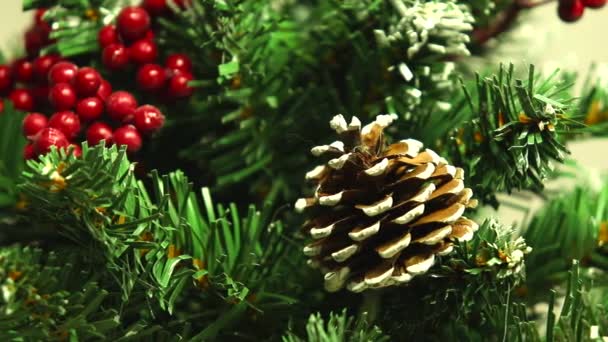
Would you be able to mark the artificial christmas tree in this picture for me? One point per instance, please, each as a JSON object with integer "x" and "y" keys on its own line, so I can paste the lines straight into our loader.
{"x": 119, "y": 112}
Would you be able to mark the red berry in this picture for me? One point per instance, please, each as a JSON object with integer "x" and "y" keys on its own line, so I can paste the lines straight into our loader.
{"x": 62, "y": 96}
{"x": 148, "y": 119}
{"x": 178, "y": 85}
{"x": 76, "y": 150}
{"x": 121, "y": 106}
{"x": 87, "y": 81}
{"x": 34, "y": 123}
{"x": 570, "y": 10}
{"x": 143, "y": 51}
{"x": 115, "y": 56}
{"x": 97, "y": 132}
{"x": 90, "y": 108}
{"x": 67, "y": 122}
{"x": 50, "y": 137}
{"x": 105, "y": 90}
{"x": 24, "y": 70}
{"x": 62, "y": 72}
{"x": 151, "y": 77}
{"x": 6, "y": 78}
{"x": 156, "y": 7}
{"x": 179, "y": 61}
{"x": 107, "y": 35}
{"x": 42, "y": 65}
{"x": 1, "y": 106}
{"x": 133, "y": 22}
{"x": 594, "y": 3}
{"x": 22, "y": 99}
{"x": 29, "y": 152}
{"x": 149, "y": 35}
{"x": 128, "y": 135}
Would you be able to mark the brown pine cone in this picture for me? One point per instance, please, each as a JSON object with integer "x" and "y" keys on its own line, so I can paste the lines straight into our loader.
{"x": 381, "y": 213}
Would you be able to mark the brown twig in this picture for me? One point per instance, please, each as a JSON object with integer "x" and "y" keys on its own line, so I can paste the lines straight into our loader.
{"x": 505, "y": 20}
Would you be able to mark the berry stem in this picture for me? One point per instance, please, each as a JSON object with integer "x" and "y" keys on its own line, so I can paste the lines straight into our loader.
{"x": 505, "y": 20}
{"x": 532, "y": 4}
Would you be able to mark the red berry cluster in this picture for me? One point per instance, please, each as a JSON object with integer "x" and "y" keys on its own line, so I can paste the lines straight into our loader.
{"x": 131, "y": 41}
{"x": 572, "y": 10}
{"x": 24, "y": 81}
{"x": 80, "y": 97}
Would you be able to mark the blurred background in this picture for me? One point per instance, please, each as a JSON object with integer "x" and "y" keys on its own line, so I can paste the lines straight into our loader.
{"x": 572, "y": 45}
{"x": 540, "y": 38}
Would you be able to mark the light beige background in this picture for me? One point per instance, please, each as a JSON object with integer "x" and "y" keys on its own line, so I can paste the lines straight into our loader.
{"x": 12, "y": 25}
{"x": 555, "y": 41}
{"x": 541, "y": 39}
{"x": 558, "y": 40}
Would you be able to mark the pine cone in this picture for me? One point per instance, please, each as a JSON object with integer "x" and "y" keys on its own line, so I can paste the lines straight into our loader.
{"x": 381, "y": 213}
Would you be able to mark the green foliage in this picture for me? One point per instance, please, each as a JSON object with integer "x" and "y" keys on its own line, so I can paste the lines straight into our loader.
{"x": 339, "y": 328}
{"x": 164, "y": 248}
{"x": 11, "y": 155}
{"x": 573, "y": 322}
{"x": 288, "y": 72}
{"x": 44, "y": 297}
{"x": 496, "y": 251}
{"x": 593, "y": 103}
{"x": 515, "y": 132}
{"x": 469, "y": 294}
{"x": 571, "y": 226}
{"x": 578, "y": 314}
{"x": 57, "y": 296}
{"x": 81, "y": 195}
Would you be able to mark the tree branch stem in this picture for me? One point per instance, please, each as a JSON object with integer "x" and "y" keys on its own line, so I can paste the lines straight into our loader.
{"x": 505, "y": 20}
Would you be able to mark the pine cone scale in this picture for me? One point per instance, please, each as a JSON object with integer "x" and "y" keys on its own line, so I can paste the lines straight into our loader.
{"x": 365, "y": 231}
{"x": 434, "y": 236}
{"x": 447, "y": 215}
{"x": 394, "y": 246}
{"x": 413, "y": 210}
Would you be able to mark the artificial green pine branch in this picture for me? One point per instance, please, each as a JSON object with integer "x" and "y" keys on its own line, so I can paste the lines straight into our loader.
{"x": 167, "y": 246}
{"x": 580, "y": 318}
{"x": 263, "y": 102}
{"x": 62, "y": 295}
{"x": 571, "y": 226}
{"x": 472, "y": 289}
{"x": 80, "y": 194}
{"x": 338, "y": 328}
{"x": 488, "y": 300}
{"x": 11, "y": 157}
{"x": 515, "y": 133}
{"x": 51, "y": 296}
{"x": 593, "y": 104}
